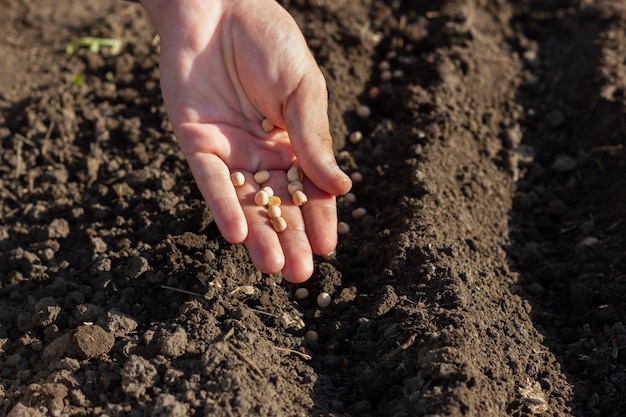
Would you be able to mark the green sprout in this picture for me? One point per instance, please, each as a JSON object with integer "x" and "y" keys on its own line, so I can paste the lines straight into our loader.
{"x": 94, "y": 45}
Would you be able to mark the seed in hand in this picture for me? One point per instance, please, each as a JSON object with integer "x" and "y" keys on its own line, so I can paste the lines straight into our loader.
{"x": 238, "y": 179}
{"x": 294, "y": 174}
{"x": 294, "y": 186}
{"x": 261, "y": 198}
{"x": 279, "y": 224}
{"x": 273, "y": 201}
{"x": 261, "y": 177}
{"x": 274, "y": 211}
{"x": 266, "y": 125}
{"x": 299, "y": 198}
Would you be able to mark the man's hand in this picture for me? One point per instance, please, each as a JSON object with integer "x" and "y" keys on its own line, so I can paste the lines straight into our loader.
{"x": 225, "y": 66}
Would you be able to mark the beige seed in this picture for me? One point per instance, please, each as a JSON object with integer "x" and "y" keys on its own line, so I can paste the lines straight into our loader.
{"x": 301, "y": 293}
{"x": 384, "y": 66}
{"x": 238, "y": 179}
{"x": 356, "y": 177}
{"x": 356, "y": 137}
{"x": 294, "y": 173}
{"x": 391, "y": 55}
{"x": 266, "y": 125}
{"x": 295, "y": 186}
{"x": 363, "y": 112}
{"x": 343, "y": 228}
{"x": 273, "y": 201}
{"x": 398, "y": 73}
{"x": 261, "y": 198}
{"x": 311, "y": 336}
{"x": 268, "y": 190}
{"x": 279, "y": 224}
{"x": 261, "y": 177}
{"x": 373, "y": 92}
{"x": 385, "y": 76}
{"x": 299, "y": 198}
{"x": 323, "y": 300}
{"x": 359, "y": 213}
{"x": 349, "y": 198}
{"x": 274, "y": 211}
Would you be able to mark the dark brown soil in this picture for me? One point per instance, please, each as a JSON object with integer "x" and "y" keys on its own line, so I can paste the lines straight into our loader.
{"x": 487, "y": 279}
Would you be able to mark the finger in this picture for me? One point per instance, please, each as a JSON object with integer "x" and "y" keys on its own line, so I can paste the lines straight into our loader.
{"x": 307, "y": 124}
{"x": 262, "y": 241}
{"x": 320, "y": 219}
{"x": 213, "y": 179}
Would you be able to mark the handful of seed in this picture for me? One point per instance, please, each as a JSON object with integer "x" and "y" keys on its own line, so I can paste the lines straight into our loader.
{"x": 265, "y": 197}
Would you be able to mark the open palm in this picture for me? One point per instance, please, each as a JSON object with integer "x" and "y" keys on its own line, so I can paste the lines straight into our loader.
{"x": 226, "y": 66}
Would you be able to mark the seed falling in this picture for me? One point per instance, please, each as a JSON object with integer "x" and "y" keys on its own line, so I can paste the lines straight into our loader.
{"x": 299, "y": 198}
{"x": 359, "y": 213}
{"x": 294, "y": 174}
{"x": 363, "y": 112}
{"x": 274, "y": 211}
{"x": 261, "y": 198}
{"x": 279, "y": 223}
{"x": 295, "y": 186}
{"x": 261, "y": 177}
{"x": 343, "y": 228}
{"x": 238, "y": 179}
{"x": 323, "y": 300}
{"x": 266, "y": 125}
{"x": 301, "y": 293}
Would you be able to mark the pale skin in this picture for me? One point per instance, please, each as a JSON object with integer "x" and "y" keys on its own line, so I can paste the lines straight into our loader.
{"x": 225, "y": 66}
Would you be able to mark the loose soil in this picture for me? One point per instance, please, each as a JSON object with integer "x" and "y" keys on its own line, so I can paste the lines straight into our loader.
{"x": 487, "y": 279}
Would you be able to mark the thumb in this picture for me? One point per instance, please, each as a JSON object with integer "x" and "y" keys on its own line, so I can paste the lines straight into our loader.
{"x": 306, "y": 118}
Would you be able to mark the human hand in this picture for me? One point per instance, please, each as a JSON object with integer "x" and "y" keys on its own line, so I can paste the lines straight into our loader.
{"x": 225, "y": 66}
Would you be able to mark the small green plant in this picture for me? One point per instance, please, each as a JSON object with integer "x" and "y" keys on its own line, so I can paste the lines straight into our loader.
{"x": 95, "y": 45}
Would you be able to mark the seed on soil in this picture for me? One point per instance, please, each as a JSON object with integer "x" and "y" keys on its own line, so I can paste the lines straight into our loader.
{"x": 266, "y": 125}
{"x": 359, "y": 213}
{"x": 279, "y": 223}
{"x": 384, "y": 66}
{"x": 261, "y": 198}
{"x": 311, "y": 336}
{"x": 356, "y": 137}
{"x": 343, "y": 228}
{"x": 238, "y": 179}
{"x": 268, "y": 190}
{"x": 261, "y": 177}
{"x": 349, "y": 198}
{"x": 274, "y": 211}
{"x": 294, "y": 174}
{"x": 323, "y": 300}
{"x": 391, "y": 55}
{"x": 373, "y": 92}
{"x": 356, "y": 177}
{"x": 385, "y": 76}
{"x": 273, "y": 201}
{"x": 295, "y": 186}
{"x": 398, "y": 73}
{"x": 299, "y": 198}
{"x": 301, "y": 293}
{"x": 363, "y": 111}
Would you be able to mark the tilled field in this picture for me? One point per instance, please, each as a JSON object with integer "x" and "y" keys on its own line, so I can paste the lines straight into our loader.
{"x": 487, "y": 277}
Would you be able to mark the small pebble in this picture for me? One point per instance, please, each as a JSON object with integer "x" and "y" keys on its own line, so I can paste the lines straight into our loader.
{"x": 323, "y": 300}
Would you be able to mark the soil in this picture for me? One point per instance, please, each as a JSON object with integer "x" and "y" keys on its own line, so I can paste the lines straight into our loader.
{"x": 487, "y": 278}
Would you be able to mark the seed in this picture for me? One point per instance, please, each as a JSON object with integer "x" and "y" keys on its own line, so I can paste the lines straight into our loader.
{"x": 299, "y": 198}
{"x": 274, "y": 211}
{"x": 294, "y": 173}
{"x": 391, "y": 54}
{"x": 279, "y": 224}
{"x": 295, "y": 186}
{"x": 373, "y": 92}
{"x": 266, "y": 125}
{"x": 359, "y": 213}
{"x": 343, "y": 228}
{"x": 268, "y": 190}
{"x": 398, "y": 73}
{"x": 301, "y": 293}
{"x": 323, "y": 300}
{"x": 311, "y": 336}
{"x": 261, "y": 198}
{"x": 273, "y": 201}
{"x": 356, "y": 177}
{"x": 385, "y": 76}
{"x": 356, "y": 137}
{"x": 349, "y": 198}
{"x": 238, "y": 179}
{"x": 363, "y": 112}
{"x": 384, "y": 66}
{"x": 261, "y": 176}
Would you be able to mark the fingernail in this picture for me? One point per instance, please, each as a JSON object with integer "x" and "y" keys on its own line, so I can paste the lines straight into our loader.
{"x": 340, "y": 174}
